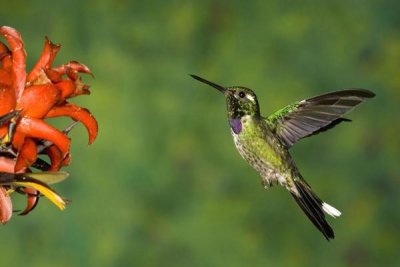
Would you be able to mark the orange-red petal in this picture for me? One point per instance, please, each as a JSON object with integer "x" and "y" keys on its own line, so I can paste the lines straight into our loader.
{"x": 7, "y": 164}
{"x": 67, "y": 88}
{"x": 7, "y": 99}
{"x": 19, "y": 57}
{"x": 55, "y": 157}
{"x": 37, "y": 100}
{"x": 54, "y": 76}
{"x": 79, "y": 114}
{"x": 73, "y": 66}
{"x": 3, "y": 50}
{"x": 67, "y": 160}
{"x": 37, "y": 128}
{"x": 5, "y": 206}
{"x": 18, "y": 140}
{"x": 5, "y": 79}
{"x": 46, "y": 59}
{"x": 27, "y": 155}
{"x": 32, "y": 199}
{"x": 5, "y": 57}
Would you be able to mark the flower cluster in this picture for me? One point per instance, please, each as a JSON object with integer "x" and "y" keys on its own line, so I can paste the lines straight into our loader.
{"x": 26, "y": 100}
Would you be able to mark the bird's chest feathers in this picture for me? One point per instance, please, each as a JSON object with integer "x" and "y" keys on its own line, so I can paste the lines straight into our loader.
{"x": 240, "y": 124}
{"x": 254, "y": 145}
{"x": 243, "y": 130}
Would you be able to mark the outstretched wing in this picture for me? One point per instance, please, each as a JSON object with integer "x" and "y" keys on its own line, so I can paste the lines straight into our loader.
{"x": 314, "y": 115}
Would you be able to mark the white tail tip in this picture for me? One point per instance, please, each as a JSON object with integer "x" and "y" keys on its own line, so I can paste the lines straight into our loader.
{"x": 330, "y": 210}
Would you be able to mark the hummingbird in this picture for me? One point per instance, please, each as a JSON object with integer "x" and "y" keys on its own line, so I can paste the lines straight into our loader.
{"x": 264, "y": 142}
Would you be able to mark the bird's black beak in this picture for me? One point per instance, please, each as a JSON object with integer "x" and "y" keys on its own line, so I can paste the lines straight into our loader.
{"x": 216, "y": 86}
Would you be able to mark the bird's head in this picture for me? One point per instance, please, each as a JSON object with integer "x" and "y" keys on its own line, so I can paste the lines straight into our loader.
{"x": 241, "y": 101}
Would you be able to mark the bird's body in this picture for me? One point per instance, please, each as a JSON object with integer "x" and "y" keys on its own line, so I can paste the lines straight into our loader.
{"x": 264, "y": 142}
{"x": 263, "y": 151}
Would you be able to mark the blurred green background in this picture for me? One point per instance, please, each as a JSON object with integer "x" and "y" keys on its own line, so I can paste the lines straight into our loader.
{"x": 163, "y": 184}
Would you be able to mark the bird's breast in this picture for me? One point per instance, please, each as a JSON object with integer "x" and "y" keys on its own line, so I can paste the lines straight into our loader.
{"x": 253, "y": 144}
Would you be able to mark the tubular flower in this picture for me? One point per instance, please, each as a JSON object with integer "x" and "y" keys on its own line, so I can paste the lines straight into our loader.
{"x": 26, "y": 100}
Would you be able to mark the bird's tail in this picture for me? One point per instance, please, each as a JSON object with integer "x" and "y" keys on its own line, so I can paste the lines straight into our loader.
{"x": 314, "y": 207}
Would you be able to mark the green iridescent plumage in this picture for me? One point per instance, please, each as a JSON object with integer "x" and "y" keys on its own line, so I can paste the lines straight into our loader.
{"x": 314, "y": 115}
{"x": 264, "y": 142}
{"x": 273, "y": 119}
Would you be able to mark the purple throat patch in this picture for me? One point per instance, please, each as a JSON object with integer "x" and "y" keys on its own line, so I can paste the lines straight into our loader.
{"x": 236, "y": 125}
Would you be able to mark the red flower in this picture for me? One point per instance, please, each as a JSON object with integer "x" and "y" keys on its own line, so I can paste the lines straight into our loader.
{"x": 26, "y": 100}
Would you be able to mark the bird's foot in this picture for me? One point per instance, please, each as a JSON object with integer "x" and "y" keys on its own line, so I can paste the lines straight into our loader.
{"x": 265, "y": 183}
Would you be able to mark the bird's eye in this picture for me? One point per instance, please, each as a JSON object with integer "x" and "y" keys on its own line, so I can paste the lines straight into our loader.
{"x": 242, "y": 94}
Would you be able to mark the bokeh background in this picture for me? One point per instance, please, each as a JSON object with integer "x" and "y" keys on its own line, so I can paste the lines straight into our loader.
{"x": 163, "y": 184}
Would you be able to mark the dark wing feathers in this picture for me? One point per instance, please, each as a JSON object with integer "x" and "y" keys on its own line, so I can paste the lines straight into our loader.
{"x": 363, "y": 93}
{"x": 329, "y": 126}
{"x": 314, "y": 115}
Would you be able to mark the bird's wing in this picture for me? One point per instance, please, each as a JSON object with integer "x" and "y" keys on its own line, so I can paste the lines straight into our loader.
{"x": 314, "y": 115}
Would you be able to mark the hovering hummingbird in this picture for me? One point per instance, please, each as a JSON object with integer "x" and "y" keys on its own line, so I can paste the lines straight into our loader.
{"x": 264, "y": 142}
